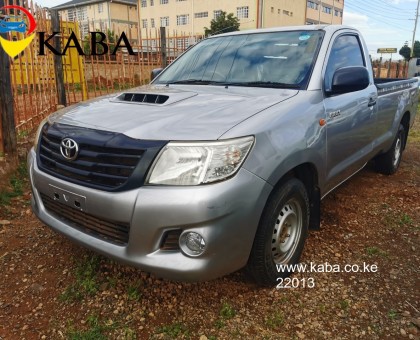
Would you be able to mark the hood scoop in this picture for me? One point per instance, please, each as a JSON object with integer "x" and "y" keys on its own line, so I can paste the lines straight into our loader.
{"x": 148, "y": 98}
{"x": 152, "y": 98}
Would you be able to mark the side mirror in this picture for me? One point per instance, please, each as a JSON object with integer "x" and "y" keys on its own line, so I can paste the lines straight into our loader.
{"x": 349, "y": 79}
{"x": 155, "y": 72}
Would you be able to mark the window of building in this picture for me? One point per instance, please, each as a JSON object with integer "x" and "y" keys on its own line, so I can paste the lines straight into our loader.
{"x": 164, "y": 21}
{"x": 345, "y": 52}
{"x": 143, "y": 3}
{"x": 180, "y": 0}
{"x": 279, "y": 11}
{"x": 164, "y": 2}
{"x": 84, "y": 30}
{"x": 144, "y": 23}
{"x": 326, "y": 9}
{"x": 201, "y": 15}
{"x": 217, "y": 14}
{"x": 77, "y": 14}
{"x": 152, "y": 2}
{"x": 182, "y": 43}
{"x": 312, "y": 5}
{"x": 242, "y": 12}
{"x": 182, "y": 19}
{"x": 100, "y": 7}
{"x": 338, "y": 13}
{"x": 152, "y": 23}
{"x": 288, "y": 13}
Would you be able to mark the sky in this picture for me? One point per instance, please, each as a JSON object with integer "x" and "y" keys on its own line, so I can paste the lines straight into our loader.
{"x": 383, "y": 23}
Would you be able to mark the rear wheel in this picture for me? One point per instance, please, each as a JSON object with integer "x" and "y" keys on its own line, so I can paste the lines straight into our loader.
{"x": 389, "y": 162}
{"x": 281, "y": 233}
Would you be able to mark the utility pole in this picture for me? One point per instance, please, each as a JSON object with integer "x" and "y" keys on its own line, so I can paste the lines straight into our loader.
{"x": 415, "y": 29}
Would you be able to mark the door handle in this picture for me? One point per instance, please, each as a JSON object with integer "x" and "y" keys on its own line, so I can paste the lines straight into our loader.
{"x": 372, "y": 102}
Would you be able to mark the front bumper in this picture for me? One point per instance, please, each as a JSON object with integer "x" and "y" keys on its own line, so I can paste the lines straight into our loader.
{"x": 226, "y": 214}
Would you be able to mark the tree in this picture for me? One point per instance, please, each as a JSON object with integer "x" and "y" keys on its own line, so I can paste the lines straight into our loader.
{"x": 99, "y": 48}
{"x": 416, "y": 49}
{"x": 223, "y": 24}
{"x": 405, "y": 51}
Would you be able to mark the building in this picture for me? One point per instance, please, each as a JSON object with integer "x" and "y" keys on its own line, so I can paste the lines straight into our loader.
{"x": 115, "y": 15}
{"x": 325, "y": 12}
{"x": 191, "y": 16}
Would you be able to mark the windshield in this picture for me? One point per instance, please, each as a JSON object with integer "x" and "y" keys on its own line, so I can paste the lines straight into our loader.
{"x": 276, "y": 59}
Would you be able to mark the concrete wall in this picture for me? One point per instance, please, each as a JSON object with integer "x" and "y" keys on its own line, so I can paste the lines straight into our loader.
{"x": 283, "y": 13}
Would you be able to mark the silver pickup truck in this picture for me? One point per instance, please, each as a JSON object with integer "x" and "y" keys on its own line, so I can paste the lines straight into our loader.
{"x": 222, "y": 161}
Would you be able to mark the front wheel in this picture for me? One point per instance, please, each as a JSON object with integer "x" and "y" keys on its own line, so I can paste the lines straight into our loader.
{"x": 281, "y": 233}
{"x": 389, "y": 162}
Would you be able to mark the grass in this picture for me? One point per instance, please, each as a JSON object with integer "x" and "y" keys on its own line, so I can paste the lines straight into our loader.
{"x": 226, "y": 312}
{"x": 22, "y": 134}
{"x": 174, "y": 330}
{"x": 344, "y": 305}
{"x": 17, "y": 183}
{"x": 392, "y": 314}
{"x": 394, "y": 219}
{"x": 405, "y": 219}
{"x": 414, "y": 133}
{"x": 275, "y": 321}
{"x": 133, "y": 292}
{"x": 95, "y": 331}
{"x": 375, "y": 251}
{"x": 322, "y": 308}
{"x": 86, "y": 283}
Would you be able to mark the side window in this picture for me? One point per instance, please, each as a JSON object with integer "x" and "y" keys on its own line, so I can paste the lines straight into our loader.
{"x": 346, "y": 51}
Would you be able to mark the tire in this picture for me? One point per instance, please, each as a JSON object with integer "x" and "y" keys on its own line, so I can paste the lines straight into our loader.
{"x": 389, "y": 162}
{"x": 281, "y": 234}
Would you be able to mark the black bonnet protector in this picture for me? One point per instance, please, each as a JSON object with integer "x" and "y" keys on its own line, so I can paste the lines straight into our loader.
{"x": 94, "y": 158}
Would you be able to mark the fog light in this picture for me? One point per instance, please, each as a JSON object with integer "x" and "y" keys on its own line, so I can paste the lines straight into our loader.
{"x": 192, "y": 243}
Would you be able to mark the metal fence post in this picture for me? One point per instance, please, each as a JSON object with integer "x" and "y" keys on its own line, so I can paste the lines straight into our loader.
{"x": 7, "y": 113}
{"x": 58, "y": 60}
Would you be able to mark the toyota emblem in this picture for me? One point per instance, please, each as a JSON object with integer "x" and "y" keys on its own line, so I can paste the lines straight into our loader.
{"x": 69, "y": 149}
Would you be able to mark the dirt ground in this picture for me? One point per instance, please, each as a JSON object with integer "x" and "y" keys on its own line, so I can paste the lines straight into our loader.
{"x": 51, "y": 288}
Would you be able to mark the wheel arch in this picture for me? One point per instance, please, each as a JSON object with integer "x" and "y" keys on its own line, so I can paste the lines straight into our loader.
{"x": 405, "y": 121}
{"x": 308, "y": 174}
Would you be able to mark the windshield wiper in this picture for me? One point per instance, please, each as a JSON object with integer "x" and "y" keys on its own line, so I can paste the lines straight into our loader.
{"x": 191, "y": 81}
{"x": 264, "y": 84}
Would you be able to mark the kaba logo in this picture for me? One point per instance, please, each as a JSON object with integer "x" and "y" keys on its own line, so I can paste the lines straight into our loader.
{"x": 96, "y": 39}
{"x": 14, "y": 47}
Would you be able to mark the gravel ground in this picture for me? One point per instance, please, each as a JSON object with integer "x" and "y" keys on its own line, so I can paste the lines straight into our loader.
{"x": 53, "y": 289}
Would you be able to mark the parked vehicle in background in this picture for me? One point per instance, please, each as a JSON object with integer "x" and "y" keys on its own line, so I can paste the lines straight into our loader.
{"x": 222, "y": 161}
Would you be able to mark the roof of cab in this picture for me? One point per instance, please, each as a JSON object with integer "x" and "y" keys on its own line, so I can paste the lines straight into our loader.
{"x": 287, "y": 29}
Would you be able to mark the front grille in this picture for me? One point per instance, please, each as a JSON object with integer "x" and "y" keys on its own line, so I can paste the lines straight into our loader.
{"x": 105, "y": 160}
{"x": 114, "y": 232}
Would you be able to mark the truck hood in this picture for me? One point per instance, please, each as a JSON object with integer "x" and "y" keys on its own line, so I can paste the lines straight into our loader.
{"x": 172, "y": 113}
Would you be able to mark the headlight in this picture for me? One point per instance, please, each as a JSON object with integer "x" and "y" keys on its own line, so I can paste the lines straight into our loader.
{"x": 38, "y": 132}
{"x": 199, "y": 162}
